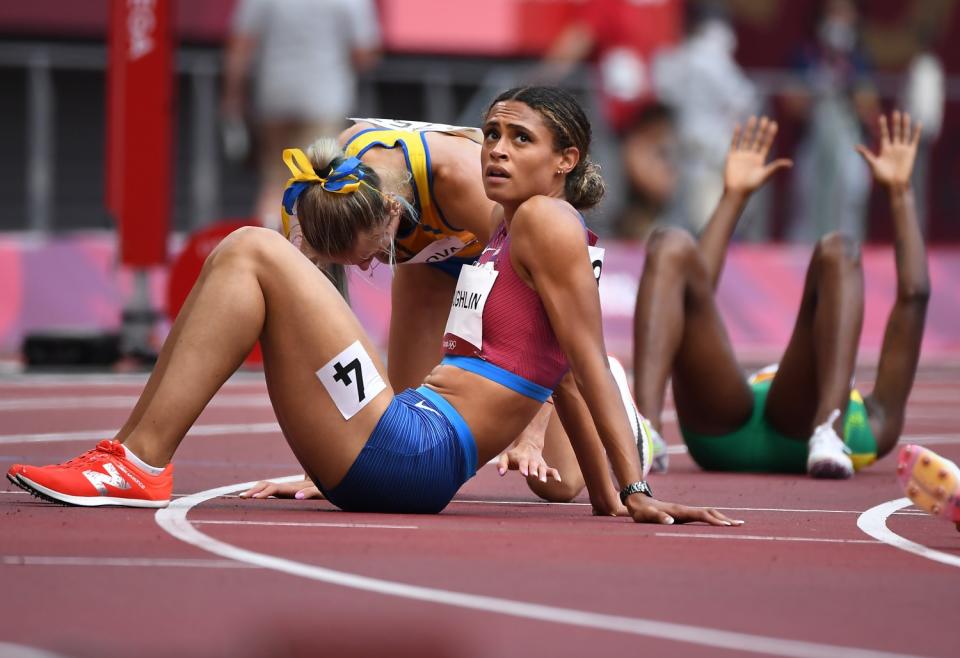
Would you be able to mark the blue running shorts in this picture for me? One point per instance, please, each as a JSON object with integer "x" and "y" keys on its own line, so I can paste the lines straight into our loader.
{"x": 418, "y": 456}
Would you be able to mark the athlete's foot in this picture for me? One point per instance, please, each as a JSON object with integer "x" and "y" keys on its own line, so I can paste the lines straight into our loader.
{"x": 102, "y": 476}
{"x": 661, "y": 458}
{"x": 932, "y": 482}
{"x": 643, "y": 432}
{"x": 828, "y": 456}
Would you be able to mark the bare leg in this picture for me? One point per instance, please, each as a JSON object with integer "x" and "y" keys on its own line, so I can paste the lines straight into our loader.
{"x": 678, "y": 331}
{"x": 421, "y": 297}
{"x": 816, "y": 369}
{"x": 256, "y": 284}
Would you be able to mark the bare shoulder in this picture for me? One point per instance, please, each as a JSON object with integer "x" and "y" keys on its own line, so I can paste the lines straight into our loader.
{"x": 458, "y": 184}
{"x": 348, "y": 134}
{"x": 541, "y": 216}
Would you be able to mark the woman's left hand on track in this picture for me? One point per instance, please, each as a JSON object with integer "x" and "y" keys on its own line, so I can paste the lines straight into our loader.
{"x": 650, "y": 510}
{"x": 301, "y": 490}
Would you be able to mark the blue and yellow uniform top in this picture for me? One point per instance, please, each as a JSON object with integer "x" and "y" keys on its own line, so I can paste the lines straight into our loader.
{"x": 432, "y": 239}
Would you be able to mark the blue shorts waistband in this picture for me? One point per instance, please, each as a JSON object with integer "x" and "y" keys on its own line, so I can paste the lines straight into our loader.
{"x": 500, "y": 375}
{"x": 459, "y": 424}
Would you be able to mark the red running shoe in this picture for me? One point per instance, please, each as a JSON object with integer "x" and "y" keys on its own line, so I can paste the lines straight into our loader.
{"x": 101, "y": 476}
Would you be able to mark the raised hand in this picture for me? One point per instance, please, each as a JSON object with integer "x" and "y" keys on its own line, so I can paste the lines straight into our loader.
{"x": 745, "y": 169}
{"x": 893, "y": 165}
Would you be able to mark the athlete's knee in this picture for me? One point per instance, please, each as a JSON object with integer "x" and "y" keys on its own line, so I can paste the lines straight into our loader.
{"x": 670, "y": 245}
{"x": 557, "y": 492}
{"x": 251, "y": 244}
{"x": 839, "y": 249}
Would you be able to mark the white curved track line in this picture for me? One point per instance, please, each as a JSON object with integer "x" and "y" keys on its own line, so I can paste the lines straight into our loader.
{"x": 10, "y": 650}
{"x": 173, "y": 519}
{"x": 874, "y": 523}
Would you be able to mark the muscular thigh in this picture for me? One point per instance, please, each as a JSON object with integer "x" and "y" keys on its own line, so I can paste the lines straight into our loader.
{"x": 709, "y": 389}
{"x": 420, "y": 305}
{"x": 316, "y": 355}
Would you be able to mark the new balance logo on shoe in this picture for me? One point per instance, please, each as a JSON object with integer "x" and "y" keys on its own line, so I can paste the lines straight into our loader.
{"x": 112, "y": 477}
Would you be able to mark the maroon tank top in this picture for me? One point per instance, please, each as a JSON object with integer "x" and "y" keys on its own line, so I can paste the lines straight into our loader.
{"x": 517, "y": 335}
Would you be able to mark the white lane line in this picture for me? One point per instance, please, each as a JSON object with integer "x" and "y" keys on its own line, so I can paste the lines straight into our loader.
{"x": 10, "y": 650}
{"x": 293, "y": 524}
{"x": 922, "y": 439}
{"x": 93, "y": 402}
{"x": 38, "y": 380}
{"x": 273, "y": 427}
{"x": 930, "y": 439}
{"x": 823, "y": 540}
{"x": 874, "y": 523}
{"x": 65, "y": 561}
{"x": 196, "y": 430}
{"x": 732, "y": 509}
{"x": 173, "y": 519}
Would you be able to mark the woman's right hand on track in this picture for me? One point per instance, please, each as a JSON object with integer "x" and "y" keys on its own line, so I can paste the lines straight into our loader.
{"x": 301, "y": 490}
{"x": 650, "y": 510}
{"x": 527, "y": 458}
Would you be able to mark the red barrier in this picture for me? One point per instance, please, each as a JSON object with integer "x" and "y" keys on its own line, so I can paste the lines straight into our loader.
{"x": 186, "y": 268}
{"x": 140, "y": 127}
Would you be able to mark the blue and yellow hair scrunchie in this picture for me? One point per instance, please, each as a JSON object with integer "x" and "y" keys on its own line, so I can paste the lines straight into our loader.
{"x": 344, "y": 179}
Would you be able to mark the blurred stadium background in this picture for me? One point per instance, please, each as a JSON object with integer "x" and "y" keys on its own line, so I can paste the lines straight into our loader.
{"x": 443, "y": 60}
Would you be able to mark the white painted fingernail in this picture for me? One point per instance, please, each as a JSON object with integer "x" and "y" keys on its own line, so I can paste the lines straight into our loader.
{"x": 668, "y": 520}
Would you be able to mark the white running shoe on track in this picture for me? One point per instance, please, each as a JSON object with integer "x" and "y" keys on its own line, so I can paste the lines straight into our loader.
{"x": 828, "y": 456}
{"x": 643, "y": 432}
{"x": 661, "y": 458}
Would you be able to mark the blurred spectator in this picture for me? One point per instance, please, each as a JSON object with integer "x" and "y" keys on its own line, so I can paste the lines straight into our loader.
{"x": 702, "y": 82}
{"x": 302, "y": 56}
{"x": 619, "y": 37}
{"x": 649, "y": 154}
{"x": 834, "y": 97}
{"x": 923, "y": 97}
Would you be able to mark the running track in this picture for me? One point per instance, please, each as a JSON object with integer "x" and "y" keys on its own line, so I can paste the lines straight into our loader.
{"x": 819, "y": 569}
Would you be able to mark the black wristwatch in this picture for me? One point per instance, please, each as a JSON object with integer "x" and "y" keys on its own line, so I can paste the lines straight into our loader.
{"x": 639, "y": 486}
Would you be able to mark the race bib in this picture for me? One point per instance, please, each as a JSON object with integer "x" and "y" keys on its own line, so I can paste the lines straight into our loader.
{"x": 351, "y": 379}
{"x": 439, "y": 251}
{"x": 465, "y": 323}
{"x": 474, "y": 134}
{"x": 596, "y": 259}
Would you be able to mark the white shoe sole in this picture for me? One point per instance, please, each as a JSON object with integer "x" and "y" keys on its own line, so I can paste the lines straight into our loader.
{"x": 45, "y": 493}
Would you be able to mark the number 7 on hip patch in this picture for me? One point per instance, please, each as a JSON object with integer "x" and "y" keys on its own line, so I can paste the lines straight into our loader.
{"x": 351, "y": 379}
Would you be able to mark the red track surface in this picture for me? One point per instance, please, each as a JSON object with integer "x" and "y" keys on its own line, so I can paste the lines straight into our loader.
{"x": 113, "y": 582}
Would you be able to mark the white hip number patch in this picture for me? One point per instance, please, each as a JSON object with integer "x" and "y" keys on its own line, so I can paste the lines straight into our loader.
{"x": 351, "y": 379}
